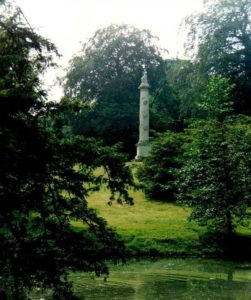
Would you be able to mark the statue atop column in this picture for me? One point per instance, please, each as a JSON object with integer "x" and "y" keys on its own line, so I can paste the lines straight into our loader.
{"x": 143, "y": 146}
{"x": 144, "y": 78}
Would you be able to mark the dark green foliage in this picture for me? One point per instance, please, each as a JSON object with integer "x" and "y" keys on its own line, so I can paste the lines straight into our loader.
{"x": 220, "y": 40}
{"x": 215, "y": 179}
{"x": 45, "y": 178}
{"x": 107, "y": 75}
{"x": 112, "y": 53}
{"x": 164, "y": 107}
{"x": 187, "y": 84}
{"x": 159, "y": 168}
{"x": 216, "y": 103}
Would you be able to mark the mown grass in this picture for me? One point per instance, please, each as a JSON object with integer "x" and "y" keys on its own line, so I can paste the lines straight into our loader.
{"x": 154, "y": 228}
{"x": 149, "y": 227}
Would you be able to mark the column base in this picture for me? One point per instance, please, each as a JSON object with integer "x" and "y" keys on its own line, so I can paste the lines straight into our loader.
{"x": 143, "y": 149}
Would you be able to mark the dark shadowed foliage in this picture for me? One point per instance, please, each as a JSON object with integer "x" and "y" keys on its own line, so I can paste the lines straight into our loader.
{"x": 45, "y": 178}
{"x": 157, "y": 173}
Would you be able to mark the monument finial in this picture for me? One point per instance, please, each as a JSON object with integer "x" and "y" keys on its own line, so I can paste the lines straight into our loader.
{"x": 144, "y": 77}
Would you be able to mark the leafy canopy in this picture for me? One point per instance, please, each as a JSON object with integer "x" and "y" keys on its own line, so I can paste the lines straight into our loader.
{"x": 158, "y": 170}
{"x": 220, "y": 40}
{"x": 112, "y": 53}
{"x": 46, "y": 177}
{"x": 215, "y": 179}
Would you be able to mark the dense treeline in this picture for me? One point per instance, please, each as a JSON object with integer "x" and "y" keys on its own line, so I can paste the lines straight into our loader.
{"x": 106, "y": 77}
{"x": 107, "y": 73}
{"x": 213, "y": 92}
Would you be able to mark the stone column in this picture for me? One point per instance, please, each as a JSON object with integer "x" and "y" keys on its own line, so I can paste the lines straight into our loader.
{"x": 143, "y": 146}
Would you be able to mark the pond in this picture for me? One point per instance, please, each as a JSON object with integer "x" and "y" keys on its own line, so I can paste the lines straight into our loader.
{"x": 201, "y": 279}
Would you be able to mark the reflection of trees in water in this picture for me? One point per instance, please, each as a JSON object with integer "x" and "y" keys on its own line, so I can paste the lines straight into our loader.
{"x": 214, "y": 266}
{"x": 219, "y": 268}
{"x": 162, "y": 289}
{"x": 196, "y": 289}
{"x": 230, "y": 274}
{"x": 182, "y": 279}
{"x": 173, "y": 279}
{"x": 192, "y": 279}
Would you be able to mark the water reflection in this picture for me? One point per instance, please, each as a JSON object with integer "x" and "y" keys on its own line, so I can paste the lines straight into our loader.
{"x": 189, "y": 288}
{"x": 184, "y": 279}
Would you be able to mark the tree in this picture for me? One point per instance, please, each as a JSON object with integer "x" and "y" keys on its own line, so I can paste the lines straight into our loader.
{"x": 215, "y": 179}
{"x": 164, "y": 107}
{"x": 46, "y": 177}
{"x": 112, "y": 53}
{"x": 107, "y": 75}
{"x": 187, "y": 85}
{"x": 157, "y": 173}
{"x": 220, "y": 40}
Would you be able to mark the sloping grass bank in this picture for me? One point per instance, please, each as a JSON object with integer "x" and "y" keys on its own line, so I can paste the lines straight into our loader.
{"x": 152, "y": 228}
{"x": 157, "y": 228}
{"x": 149, "y": 227}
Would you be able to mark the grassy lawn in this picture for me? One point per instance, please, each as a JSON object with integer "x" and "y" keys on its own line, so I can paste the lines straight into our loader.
{"x": 149, "y": 227}
{"x": 152, "y": 227}
{"x": 147, "y": 219}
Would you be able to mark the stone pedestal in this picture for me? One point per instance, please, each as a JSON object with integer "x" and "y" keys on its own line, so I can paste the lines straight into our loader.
{"x": 143, "y": 146}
